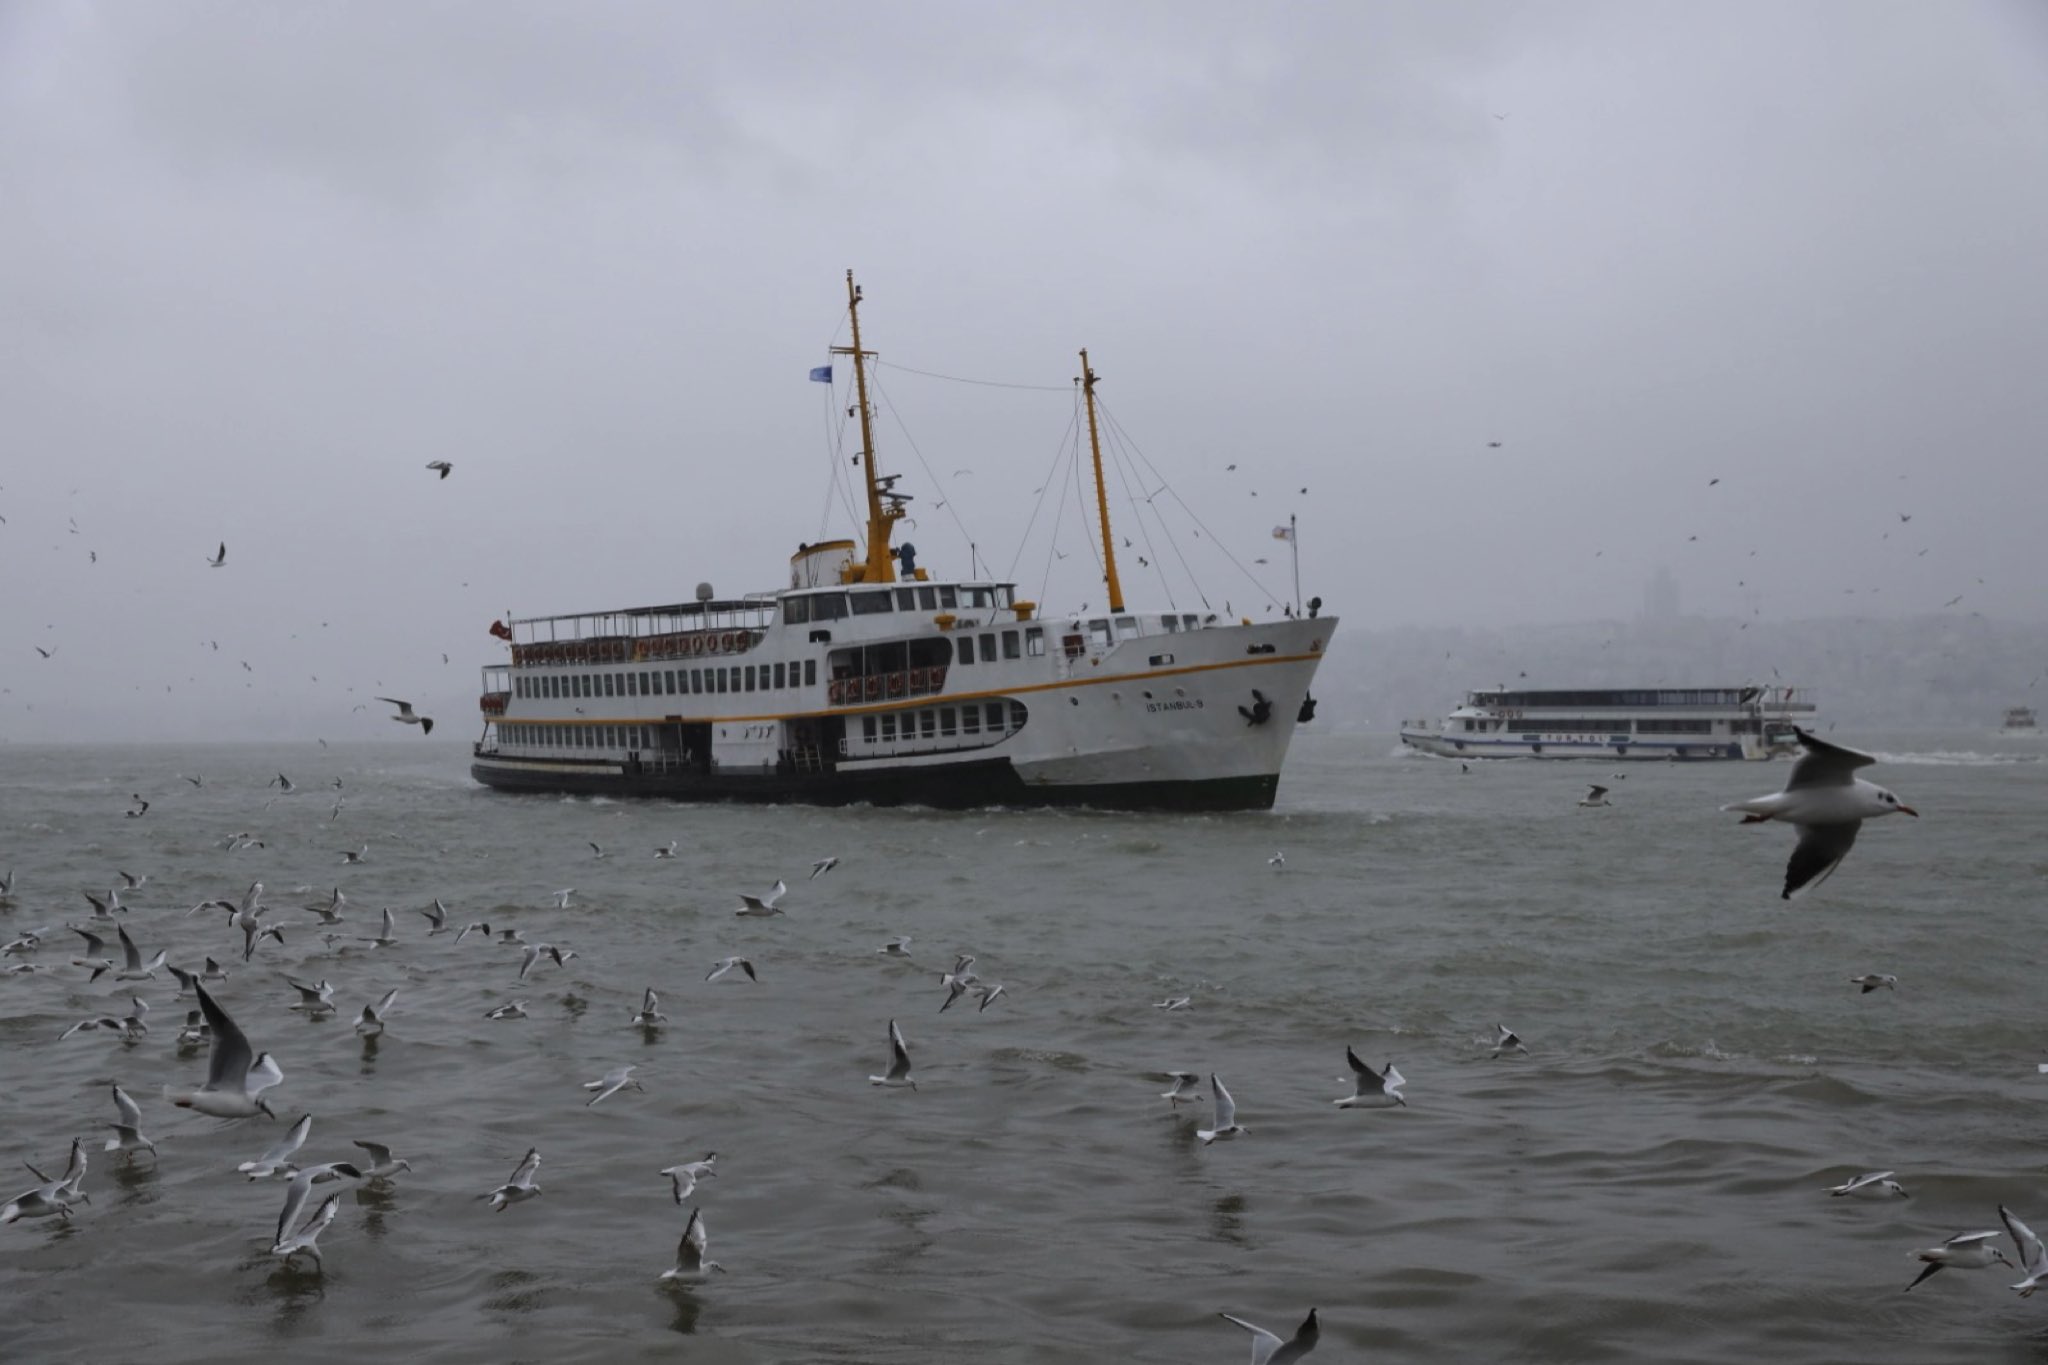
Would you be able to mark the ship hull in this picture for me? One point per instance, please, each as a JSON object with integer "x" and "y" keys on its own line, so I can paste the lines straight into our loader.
{"x": 958, "y": 786}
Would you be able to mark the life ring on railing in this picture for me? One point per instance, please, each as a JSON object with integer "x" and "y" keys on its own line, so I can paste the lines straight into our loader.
{"x": 917, "y": 680}
{"x": 874, "y": 686}
{"x": 832, "y": 691}
{"x": 897, "y": 683}
{"x": 938, "y": 677}
{"x": 726, "y": 643}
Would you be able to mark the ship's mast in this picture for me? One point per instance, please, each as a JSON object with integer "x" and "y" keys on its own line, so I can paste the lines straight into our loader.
{"x": 1116, "y": 588}
{"x": 880, "y": 566}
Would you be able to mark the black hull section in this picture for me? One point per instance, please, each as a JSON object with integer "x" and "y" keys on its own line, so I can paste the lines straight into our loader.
{"x": 957, "y": 786}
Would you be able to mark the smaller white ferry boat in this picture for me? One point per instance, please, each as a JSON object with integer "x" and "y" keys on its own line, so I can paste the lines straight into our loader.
{"x": 1619, "y": 723}
{"x": 2020, "y": 724}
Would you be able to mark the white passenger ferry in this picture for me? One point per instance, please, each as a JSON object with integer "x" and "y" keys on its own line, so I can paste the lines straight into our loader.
{"x": 866, "y": 678}
{"x": 1619, "y": 723}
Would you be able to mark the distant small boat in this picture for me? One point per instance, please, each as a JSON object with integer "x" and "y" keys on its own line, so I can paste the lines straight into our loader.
{"x": 2019, "y": 723}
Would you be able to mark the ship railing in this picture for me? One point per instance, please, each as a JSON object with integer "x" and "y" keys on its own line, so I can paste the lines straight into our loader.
{"x": 879, "y": 687}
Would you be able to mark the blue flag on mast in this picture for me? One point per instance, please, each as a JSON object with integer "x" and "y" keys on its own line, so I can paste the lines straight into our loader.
{"x": 822, "y": 375}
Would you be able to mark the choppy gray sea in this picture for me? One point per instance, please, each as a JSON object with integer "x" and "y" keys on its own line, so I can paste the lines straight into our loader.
{"x": 1648, "y": 1184}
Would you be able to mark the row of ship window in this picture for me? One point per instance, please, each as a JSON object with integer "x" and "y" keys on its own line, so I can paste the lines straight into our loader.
{"x": 639, "y": 737}
{"x": 834, "y": 606}
{"x": 1595, "y": 727}
{"x": 943, "y": 722}
{"x": 668, "y": 682}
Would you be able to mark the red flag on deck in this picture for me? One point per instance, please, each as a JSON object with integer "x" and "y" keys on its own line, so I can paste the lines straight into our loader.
{"x": 501, "y": 630}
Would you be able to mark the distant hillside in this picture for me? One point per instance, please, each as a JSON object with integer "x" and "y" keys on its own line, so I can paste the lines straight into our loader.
{"x": 1923, "y": 672}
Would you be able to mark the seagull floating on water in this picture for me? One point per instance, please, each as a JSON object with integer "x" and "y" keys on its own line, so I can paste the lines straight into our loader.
{"x": 650, "y": 1013}
{"x": 515, "y": 1010}
{"x": 315, "y": 997}
{"x": 1828, "y": 803}
{"x": 1506, "y": 1039}
{"x": 370, "y": 1023}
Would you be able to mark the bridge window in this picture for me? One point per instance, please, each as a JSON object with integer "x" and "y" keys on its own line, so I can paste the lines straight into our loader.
{"x": 1098, "y": 634}
{"x": 796, "y": 611}
{"x": 967, "y": 649}
{"x": 1127, "y": 627}
{"x": 872, "y": 603}
{"x": 1034, "y": 641}
{"x": 1009, "y": 644}
{"x": 948, "y": 598}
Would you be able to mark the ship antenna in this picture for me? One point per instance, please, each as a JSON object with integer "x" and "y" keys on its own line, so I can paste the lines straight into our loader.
{"x": 879, "y": 567}
{"x": 1116, "y": 588}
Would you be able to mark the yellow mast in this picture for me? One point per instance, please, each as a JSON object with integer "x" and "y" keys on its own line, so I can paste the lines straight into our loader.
{"x": 1116, "y": 588}
{"x": 880, "y": 566}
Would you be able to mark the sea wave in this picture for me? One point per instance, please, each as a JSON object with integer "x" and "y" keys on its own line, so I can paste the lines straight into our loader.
{"x": 1957, "y": 758}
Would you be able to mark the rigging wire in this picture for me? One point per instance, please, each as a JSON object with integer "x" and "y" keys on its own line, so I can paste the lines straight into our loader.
{"x": 1036, "y": 507}
{"x": 982, "y": 383}
{"x": 1122, "y": 463}
{"x": 930, "y": 473}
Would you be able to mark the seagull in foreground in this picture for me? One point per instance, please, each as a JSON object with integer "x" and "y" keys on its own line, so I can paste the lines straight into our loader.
{"x": 236, "y": 1075}
{"x": 405, "y": 715}
{"x": 611, "y": 1083}
{"x": 724, "y": 965}
{"x": 899, "y": 1062}
{"x": 1374, "y": 1089}
{"x": 1184, "y": 1088}
{"x": 52, "y": 1198}
{"x": 762, "y": 906}
{"x": 220, "y": 557}
{"x": 2033, "y": 1260}
{"x": 277, "y": 1160}
{"x": 650, "y": 1013}
{"x": 370, "y": 1023}
{"x": 1506, "y": 1039}
{"x": 307, "y": 1238}
{"x": 521, "y": 1186}
{"x": 1872, "y": 1185}
{"x": 684, "y": 1177}
{"x": 1870, "y": 981}
{"x": 515, "y": 1010}
{"x": 128, "y": 1132}
{"x": 1964, "y": 1251}
{"x": 382, "y": 1165}
{"x": 1225, "y": 1125}
{"x": 822, "y": 866}
{"x": 1828, "y": 803}
{"x": 1596, "y": 796}
{"x": 445, "y": 467}
{"x": 1268, "y": 1349}
{"x": 690, "y": 1262}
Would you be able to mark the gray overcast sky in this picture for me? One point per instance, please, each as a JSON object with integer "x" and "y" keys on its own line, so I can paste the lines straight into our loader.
{"x": 260, "y": 262}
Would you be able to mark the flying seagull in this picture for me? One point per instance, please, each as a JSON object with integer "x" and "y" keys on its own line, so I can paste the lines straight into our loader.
{"x": 521, "y": 1186}
{"x": 1506, "y": 1039}
{"x": 1596, "y": 796}
{"x": 128, "y": 1132}
{"x": 899, "y": 1062}
{"x": 1873, "y": 1185}
{"x": 220, "y": 558}
{"x": 1870, "y": 981}
{"x": 1373, "y": 1089}
{"x": 726, "y": 964}
{"x": 690, "y": 1262}
{"x": 444, "y": 466}
{"x": 763, "y": 906}
{"x": 236, "y": 1075}
{"x": 1268, "y": 1349}
{"x": 1226, "y": 1125}
{"x": 822, "y": 866}
{"x": 2033, "y": 1260}
{"x": 1828, "y": 803}
{"x": 1964, "y": 1251}
{"x": 684, "y": 1177}
{"x": 611, "y": 1083}
{"x": 406, "y": 717}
